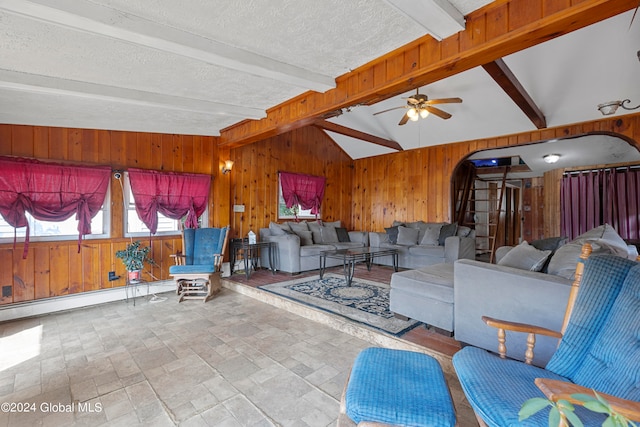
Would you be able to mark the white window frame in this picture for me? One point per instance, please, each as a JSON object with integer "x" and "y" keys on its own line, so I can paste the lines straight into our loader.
{"x": 35, "y": 225}
{"x": 302, "y": 213}
{"x": 130, "y": 211}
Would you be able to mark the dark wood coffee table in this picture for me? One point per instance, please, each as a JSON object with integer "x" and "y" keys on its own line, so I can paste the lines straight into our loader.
{"x": 352, "y": 256}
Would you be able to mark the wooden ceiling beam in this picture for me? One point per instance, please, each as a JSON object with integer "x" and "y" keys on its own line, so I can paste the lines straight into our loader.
{"x": 502, "y": 74}
{"x": 343, "y": 130}
{"x": 492, "y": 32}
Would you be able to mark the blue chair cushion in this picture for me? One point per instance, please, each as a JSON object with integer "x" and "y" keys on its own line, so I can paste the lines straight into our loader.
{"x": 191, "y": 269}
{"x": 496, "y": 388}
{"x": 202, "y": 243}
{"x": 601, "y": 346}
{"x": 400, "y": 388}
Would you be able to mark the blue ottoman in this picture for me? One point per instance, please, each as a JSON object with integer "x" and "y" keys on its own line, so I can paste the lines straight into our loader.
{"x": 398, "y": 387}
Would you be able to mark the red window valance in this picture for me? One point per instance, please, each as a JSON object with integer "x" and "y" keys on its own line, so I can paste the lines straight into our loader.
{"x": 50, "y": 192}
{"x": 174, "y": 195}
{"x": 304, "y": 190}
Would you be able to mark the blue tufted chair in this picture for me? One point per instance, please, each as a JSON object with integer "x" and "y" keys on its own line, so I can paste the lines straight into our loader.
{"x": 599, "y": 350}
{"x": 197, "y": 269}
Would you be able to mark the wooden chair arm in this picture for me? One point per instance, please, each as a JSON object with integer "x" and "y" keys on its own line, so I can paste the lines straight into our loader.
{"x": 556, "y": 390}
{"x": 530, "y": 330}
{"x": 520, "y": 327}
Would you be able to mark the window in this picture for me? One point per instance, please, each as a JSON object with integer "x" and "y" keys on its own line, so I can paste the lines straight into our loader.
{"x": 133, "y": 225}
{"x": 62, "y": 230}
{"x": 294, "y": 212}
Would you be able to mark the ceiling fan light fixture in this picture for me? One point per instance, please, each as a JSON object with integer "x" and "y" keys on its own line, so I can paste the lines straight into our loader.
{"x": 551, "y": 158}
{"x": 424, "y": 113}
{"x": 414, "y": 118}
{"x": 412, "y": 113}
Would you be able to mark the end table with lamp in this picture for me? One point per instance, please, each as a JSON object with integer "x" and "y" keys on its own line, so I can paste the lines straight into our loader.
{"x": 251, "y": 254}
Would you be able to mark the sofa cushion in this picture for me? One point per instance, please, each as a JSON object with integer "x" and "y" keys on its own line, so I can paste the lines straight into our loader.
{"x": 603, "y": 239}
{"x": 306, "y": 237}
{"x": 525, "y": 257}
{"x": 392, "y": 233}
{"x": 329, "y": 234}
{"x": 343, "y": 234}
{"x": 549, "y": 244}
{"x": 447, "y": 230}
{"x": 279, "y": 229}
{"x": 298, "y": 226}
{"x": 314, "y": 250}
{"x": 463, "y": 231}
{"x": 407, "y": 236}
{"x": 431, "y": 234}
{"x": 434, "y": 281}
{"x": 332, "y": 223}
{"x": 427, "y": 251}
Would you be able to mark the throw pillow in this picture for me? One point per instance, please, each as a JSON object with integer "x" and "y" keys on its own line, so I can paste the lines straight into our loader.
{"x": 407, "y": 236}
{"x": 305, "y": 237}
{"x": 279, "y": 229}
{"x": 315, "y": 228}
{"x": 334, "y": 224}
{"x": 392, "y": 233}
{"x": 431, "y": 235}
{"x": 447, "y": 230}
{"x": 525, "y": 257}
{"x": 549, "y": 244}
{"x": 298, "y": 226}
{"x": 343, "y": 234}
{"x": 329, "y": 234}
{"x": 463, "y": 231}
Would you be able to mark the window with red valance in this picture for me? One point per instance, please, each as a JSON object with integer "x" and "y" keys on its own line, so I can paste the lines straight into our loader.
{"x": 304, "y": 190}
{"x": 174, "y": 195}
{"x": 50, "y": 192}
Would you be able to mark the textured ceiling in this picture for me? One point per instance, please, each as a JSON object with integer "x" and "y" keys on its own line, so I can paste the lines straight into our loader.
{"x": 198, "y": 66}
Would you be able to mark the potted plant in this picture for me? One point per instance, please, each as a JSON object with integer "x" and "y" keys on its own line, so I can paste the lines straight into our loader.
{"x": 133, "y": 258}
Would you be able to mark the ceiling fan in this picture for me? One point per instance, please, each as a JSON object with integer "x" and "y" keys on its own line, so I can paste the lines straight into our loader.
{"x": 419, "y": 105}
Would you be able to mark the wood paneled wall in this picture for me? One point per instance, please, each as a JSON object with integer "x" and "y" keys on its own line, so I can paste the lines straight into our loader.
{"x": 366, "y": 194}
{"x": 254, "y": 180}
{"x": 56, "y": 268}
{"x": 416, "y": 184}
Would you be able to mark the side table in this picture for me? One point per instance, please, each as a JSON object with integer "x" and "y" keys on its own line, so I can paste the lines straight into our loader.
{"x": 251, "y": 254}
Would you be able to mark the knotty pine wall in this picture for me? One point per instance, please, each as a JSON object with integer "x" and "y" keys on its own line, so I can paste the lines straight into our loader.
{"x": 56, "y": 268}
{"x": 416, "y": 184}
{"x": 254, "y": 180}
{"x": 366, "y": 194}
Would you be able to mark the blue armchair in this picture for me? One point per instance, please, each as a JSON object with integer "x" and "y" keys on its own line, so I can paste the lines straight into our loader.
{"x": 599, "y": 350}
{"x": 197, "y": 269}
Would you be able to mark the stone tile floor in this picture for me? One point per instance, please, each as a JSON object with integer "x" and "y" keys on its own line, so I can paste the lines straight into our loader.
{"x": 234, "y": 361}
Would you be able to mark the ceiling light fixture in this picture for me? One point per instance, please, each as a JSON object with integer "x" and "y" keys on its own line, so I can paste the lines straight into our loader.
{"x": 551, "y": 158}
{"x": 609, "y": 108}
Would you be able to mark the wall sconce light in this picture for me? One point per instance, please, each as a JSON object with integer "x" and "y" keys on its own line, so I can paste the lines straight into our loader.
{"x": 551, "y": 158}
{"x": 609, "y": 108}
{"x": 228, "y": 164}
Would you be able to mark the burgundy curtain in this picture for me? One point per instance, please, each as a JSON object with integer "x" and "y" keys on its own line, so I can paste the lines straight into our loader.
{"x": 592, "y": 198}
{"x": 51, "y": 192}
{"x": 623, "y": 207}
{"x": 304, "y": 190}
{"x": 581, "y": 202}
{"x": 173, "y": 195}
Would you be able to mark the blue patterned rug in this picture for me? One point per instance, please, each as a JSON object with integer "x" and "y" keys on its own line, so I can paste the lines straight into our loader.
{"x": 364, "y": 301}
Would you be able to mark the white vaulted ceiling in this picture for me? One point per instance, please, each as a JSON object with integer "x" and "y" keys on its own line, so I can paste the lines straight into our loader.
{"x": 198, "y": 66}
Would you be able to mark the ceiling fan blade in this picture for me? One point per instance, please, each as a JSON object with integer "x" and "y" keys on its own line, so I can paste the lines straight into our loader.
{"x": 445, "y": 101}
{"x": 389, "y": 109}
{"x": 438, "y": 112}
{"x": 404, "y": 119}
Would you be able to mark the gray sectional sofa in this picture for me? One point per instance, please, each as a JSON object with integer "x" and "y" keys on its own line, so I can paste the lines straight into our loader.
{"x": 511, "y": 291}
{"x": 299, "y": 244}
{"x": 421, "y": 244}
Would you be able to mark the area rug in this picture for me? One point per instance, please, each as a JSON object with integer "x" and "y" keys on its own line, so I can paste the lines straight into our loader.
{"x": 364, "y": 301}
